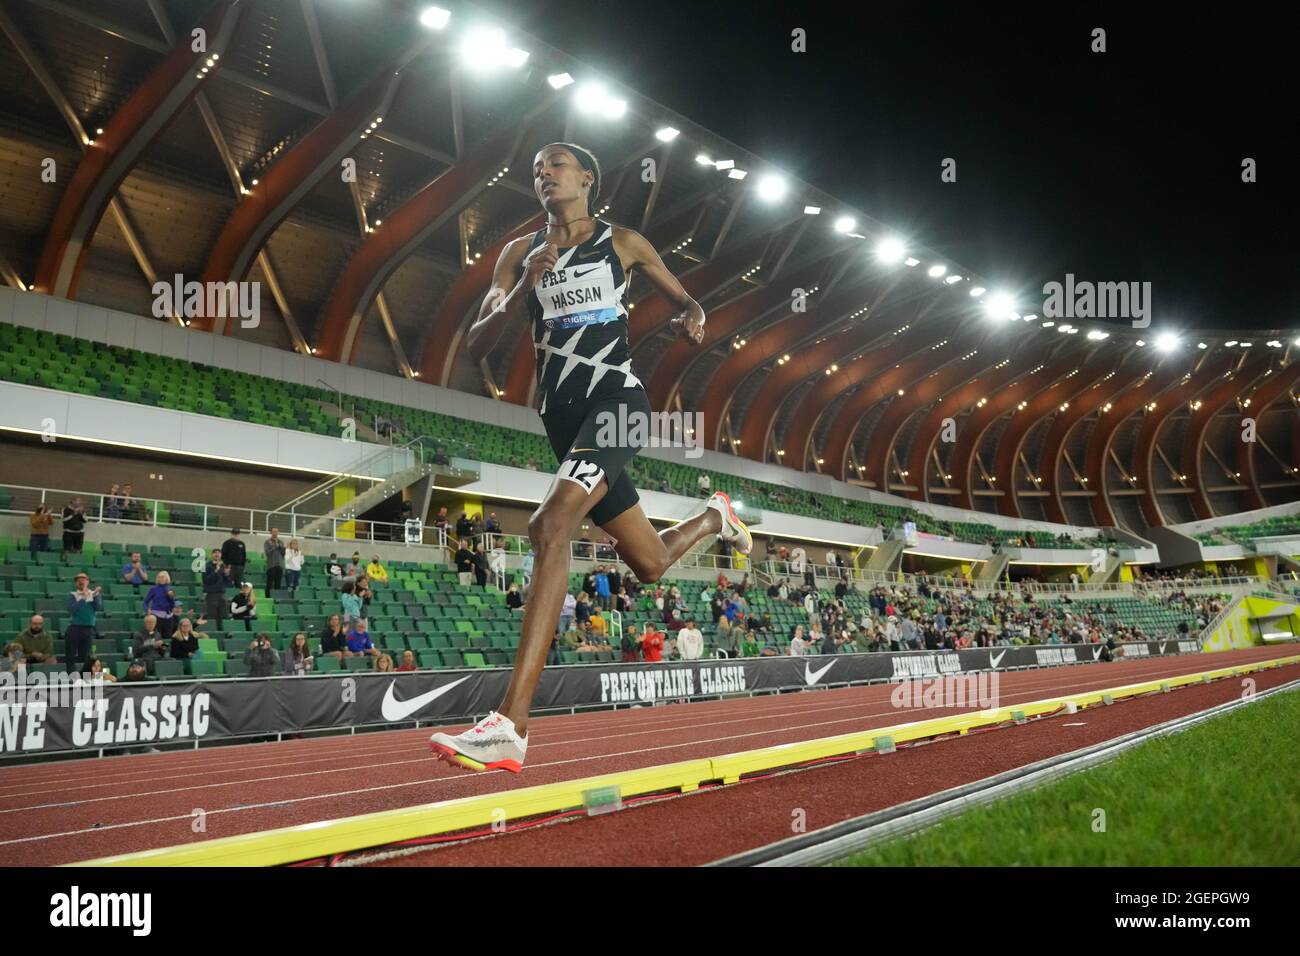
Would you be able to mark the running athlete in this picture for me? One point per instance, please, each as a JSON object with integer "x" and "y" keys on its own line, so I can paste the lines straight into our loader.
{"x": 569, "y": 280}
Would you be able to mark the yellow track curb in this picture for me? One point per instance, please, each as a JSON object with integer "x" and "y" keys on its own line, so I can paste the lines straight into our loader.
{"x": 326, "y": 837}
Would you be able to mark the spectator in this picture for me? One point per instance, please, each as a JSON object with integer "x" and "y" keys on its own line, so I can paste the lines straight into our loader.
{"x": 333, "y": 640}
{"x": 582, "y": 610}
{"x": 185, "y": 640}
{"x": 440, "y": 457}
{"x": 36, "y": 643}
{"x": 161, "y": 601}
{"x": 234, "y": 554}
{"x": 95, "y": 669}
{"x": 40, "y": 520}
{"x": 629, "y": 645}
{"x": 261, "y": 659}
{"x": 129, "y": 506}
{"x": 480, "y": 566}
{"x": 798, "y": 559}
{"x": 497, "y": 560}
{"x": 293, "y": 559}
{"x": 243, "y": 606}
{"x": 384, "y": 662}
{"x": 359, "y": 639}
{"x": 350, "y": 604}
{"x": 514, "y": 600}
{"x": 12, "y": 661}
{"x": 727, "y": 641}
{"x": 690, "y": 642}
{"x": 148, "y": 644}
{"x": 568, "y": 610}
{"x": 83, "y": 605}
{"x": 273, "y": 547}
{"x": 216, "y": 579}
{"x": 135, "y": 671}
{"x": 465, "y": 564}
{"x": 298, "y": 659}
{"x": 408, "y": 661}
{"x": 365, "y": 594}
{"x": 74, "y": 526}
{"x": 376, "y": 571}
{"x": 440, "y": 519}
{"x": 111, "y": 509}
{"x": 134, "y": 571}
{"x": 493, "y": 526}
{"x": 799, "y": 646}
{"x": 464, "y": 528}
{"x": 527, "y": 566}
{"x": 704, "y": 485}
{"x": 603, "y": 595}
{"x": 652, "y": 644}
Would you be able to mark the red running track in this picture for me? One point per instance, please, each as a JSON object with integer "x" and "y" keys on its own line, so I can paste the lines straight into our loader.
{"x": 76, "y": 810}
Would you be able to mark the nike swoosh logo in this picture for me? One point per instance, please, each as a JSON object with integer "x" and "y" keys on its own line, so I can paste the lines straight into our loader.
{"x": 1096, "y": 653}
{"x": 1164, "y": 647}
{"x": 813, "y": 676}
{"x": 579, "y": 275}
{"x": 574, "y": 451}
{"x": 394, "y": 709}
{"x": 996, "y": 659}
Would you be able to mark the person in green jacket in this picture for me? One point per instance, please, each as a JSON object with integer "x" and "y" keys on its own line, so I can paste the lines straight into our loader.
{"x": 37, "y": 644}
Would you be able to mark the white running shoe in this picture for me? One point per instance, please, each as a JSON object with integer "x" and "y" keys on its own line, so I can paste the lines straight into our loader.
{"x": 491, "y": 744}
{"x": 733, "y": 529}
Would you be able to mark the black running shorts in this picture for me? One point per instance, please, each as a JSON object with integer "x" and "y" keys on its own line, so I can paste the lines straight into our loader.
{"x": 591, "y": 443}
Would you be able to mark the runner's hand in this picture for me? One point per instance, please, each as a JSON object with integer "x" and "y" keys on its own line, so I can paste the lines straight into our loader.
{"x": 539, "y": 261}
{"x": 689, "y": 328}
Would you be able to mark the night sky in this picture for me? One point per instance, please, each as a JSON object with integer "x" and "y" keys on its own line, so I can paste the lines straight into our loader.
{"x": 1119, "y": 166}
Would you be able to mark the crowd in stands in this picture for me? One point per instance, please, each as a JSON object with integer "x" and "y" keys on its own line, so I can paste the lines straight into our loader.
{"x": 895, "y": 617}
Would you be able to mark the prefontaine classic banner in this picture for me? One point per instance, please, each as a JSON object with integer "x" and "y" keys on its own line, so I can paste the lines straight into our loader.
{"x": 38, "y": 718}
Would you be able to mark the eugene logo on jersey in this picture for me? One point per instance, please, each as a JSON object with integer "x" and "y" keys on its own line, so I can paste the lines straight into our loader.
{"x": 588, "y": 287}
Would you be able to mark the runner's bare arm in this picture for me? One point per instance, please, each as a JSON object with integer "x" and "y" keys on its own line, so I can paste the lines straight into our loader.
{"x": 513, "y": 278}
{"x": 637, "y": 253}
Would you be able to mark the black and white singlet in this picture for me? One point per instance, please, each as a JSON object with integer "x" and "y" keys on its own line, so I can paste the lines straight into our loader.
{"x": 579, "y": 323}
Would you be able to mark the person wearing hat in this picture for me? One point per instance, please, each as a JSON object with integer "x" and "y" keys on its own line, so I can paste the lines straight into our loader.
{"x": 83, "y": 604}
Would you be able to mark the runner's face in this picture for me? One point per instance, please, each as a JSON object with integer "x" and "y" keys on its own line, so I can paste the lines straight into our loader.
{"x": 558, "y": 179}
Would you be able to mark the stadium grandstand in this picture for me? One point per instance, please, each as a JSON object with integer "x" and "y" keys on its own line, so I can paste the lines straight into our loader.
{"x": 250, "y": 448}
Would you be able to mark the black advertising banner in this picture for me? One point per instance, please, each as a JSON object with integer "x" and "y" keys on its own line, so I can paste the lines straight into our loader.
{"x": 37, "y": 717}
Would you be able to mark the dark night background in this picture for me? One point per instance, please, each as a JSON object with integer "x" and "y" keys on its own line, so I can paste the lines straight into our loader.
{"x": 1122, "y": 166}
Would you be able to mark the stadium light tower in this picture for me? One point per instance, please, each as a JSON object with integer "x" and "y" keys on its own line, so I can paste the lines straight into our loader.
{"x": 1166, "y": 341}
{"x": 435, "y": 18}
{"x": 890, "y": 250}
{"x": 999, "y": 305}
{"x": 487, "y": 49}
{"x": 593, "y": 98}
{"x": 771, "y": 188}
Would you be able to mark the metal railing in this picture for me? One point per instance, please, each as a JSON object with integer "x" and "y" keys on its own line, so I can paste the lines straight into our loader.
{"x": 773, "y": 570}
{"x": 377, "y": 467}
{"x": 190, "y": 515}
